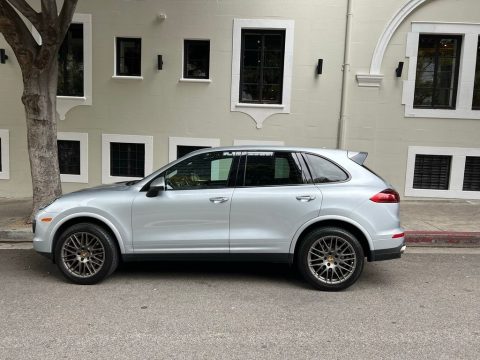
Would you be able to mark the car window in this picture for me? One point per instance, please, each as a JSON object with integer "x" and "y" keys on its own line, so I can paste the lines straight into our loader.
{"x": 324, "y": 171}
{"x": 266, "y": 168}
{"x": 210, "y": 170}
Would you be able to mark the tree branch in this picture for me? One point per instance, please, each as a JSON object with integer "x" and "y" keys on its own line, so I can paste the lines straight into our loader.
{"x": 49, "y": 9}
{"x": 66, "y": 16}
{"x": 18, "y": 36}
{"x": 26, "y": 10}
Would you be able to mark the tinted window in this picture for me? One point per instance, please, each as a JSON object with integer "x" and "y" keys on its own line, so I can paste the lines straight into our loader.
{"x": 70, "y": 63}
{"x": 129, "y": 56}
{"x": 183, "y": 150}
{"x": 196, "y": 59}
{"x": 324, "y": 171}
{"x": 69, "y": 156}
{"x": 127, "y": 159}
{"x": 202, "y": 171}
{"x": 266, "y": 168}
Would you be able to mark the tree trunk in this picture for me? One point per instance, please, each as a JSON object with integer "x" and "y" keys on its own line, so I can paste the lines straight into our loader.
{"x": 40, "y": 101}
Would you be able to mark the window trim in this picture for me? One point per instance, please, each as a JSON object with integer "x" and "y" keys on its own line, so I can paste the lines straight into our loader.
{"x": 136, "y": 139}
{"x": 260, "y": 112}
{"x": 173, "y": 142}
{"x": 83, "y": 139}
{"x": 457, "y": 170}
{"x": 66, "y": 103}
{"x": 196, "y": 79}
{"x": 5, "y": 172}
{"x": 469, "y": 33}
{"x": 115, "y": 60}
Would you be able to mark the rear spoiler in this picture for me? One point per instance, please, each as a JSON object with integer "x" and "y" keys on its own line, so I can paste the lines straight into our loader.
{"x": 358, "y": 157}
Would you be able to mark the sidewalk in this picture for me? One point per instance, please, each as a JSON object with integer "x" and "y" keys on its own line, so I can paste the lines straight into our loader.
{"x": 426, "y": 223}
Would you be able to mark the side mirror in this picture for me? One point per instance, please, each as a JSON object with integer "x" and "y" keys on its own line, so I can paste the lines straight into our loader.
{"x": 156, "y": 186}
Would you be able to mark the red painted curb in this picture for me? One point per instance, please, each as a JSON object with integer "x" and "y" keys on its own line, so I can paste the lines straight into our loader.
{"x": 442, "y": 238}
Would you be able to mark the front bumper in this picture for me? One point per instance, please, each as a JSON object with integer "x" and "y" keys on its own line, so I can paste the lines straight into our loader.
{"x": 387, "y": 254}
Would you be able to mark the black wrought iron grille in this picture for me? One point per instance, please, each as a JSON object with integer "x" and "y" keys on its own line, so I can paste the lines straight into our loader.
{"x": 471, "y": 178}
{"x": 127, "y": 159}
{"x": 432, "y": 172}
{"x": 69, "y": 156}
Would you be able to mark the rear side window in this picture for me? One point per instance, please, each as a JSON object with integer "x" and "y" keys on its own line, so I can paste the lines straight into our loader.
{"x": 324, "y": 171}
{"x": 267, "y": 168}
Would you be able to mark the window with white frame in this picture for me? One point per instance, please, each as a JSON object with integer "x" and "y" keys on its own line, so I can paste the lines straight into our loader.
{"x": 196, "y": 59}
{"x": 126, "y": 157}
{"x": 4, "y": 155}
{"x": 442, "y": 71}
{"x": 128, "y": 57}
{"x": 181, "y": 146}
{"x": 262, "y": 63}
{"x": 73, "y": 156}
{"x": 443, "y": 172}
{"x": 75, "y": 65}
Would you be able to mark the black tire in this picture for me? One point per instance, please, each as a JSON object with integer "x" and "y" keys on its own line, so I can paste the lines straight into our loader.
{"x": 330, "y": 263}
{"x": 95, "y": 271}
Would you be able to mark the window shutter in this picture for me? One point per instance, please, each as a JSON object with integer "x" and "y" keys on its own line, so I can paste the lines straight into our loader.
{"x": 432, "y": 172}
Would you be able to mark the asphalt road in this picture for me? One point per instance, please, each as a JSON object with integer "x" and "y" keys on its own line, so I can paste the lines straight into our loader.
{"x": 424, "y": 306}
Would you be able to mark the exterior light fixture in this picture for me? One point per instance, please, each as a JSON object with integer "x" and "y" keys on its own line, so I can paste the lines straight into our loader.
{"x": 159, "y": 62}
{"x": 3, "y": 56}
{"x": 399, "y": 69}
{"x": 319, "y": 67}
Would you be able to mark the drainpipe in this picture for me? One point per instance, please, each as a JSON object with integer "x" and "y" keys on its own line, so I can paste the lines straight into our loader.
{"x": 341, "y": 140}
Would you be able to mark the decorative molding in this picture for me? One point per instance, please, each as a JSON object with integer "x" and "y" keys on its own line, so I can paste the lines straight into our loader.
{"x": 400, "y": 15}
{"x": 457, "y": 170}
{"x": 5, "y": 151}
{"x": 83, "y": 139}
{"x": 369, "y": 80}
{"x": 173, "y": 142}
{"x": 463, "y": 110}
{"x": 258, "y": 142}
{"x": 136, "y": 139}
{"x": 260, "y": 112}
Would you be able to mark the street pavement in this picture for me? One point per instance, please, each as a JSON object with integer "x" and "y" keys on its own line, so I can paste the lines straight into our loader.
{"x": 423, "y": 306}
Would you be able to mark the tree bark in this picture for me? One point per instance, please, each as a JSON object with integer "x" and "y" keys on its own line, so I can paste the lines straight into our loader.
{"x": 39, "y": 98}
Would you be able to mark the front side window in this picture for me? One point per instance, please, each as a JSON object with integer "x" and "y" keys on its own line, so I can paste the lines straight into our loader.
{"x": 261, "y": 70}
{"x": 196, "y": 59}
{"x": 127, "y": 159}
{"x": 69, "y": 156}
{"x": 476, "y": 89}
{"x": 210, "y": 170}
{"x": 438, "y": 64}
{"x": 266, "y": 168}
{"x": 129, "y": 56}
{"x": 324, "y": 171}
{"x": 71, "y": 63}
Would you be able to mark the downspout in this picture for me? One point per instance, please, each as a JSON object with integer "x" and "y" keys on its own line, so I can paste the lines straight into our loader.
{"x": 341, "y": 140}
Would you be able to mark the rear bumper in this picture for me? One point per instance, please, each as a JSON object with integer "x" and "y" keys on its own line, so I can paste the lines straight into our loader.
{"x": 387, "y": 254}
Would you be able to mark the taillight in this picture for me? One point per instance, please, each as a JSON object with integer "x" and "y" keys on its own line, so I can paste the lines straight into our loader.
{"x": 386, "y": 196}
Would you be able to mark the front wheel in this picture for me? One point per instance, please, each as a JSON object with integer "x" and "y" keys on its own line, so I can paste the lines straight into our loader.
{"x": 331, "y": 259}
{"x": 85, "y": 253}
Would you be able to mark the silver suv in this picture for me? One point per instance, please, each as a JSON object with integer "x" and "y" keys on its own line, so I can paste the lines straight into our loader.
{"x": 319, "y": 209}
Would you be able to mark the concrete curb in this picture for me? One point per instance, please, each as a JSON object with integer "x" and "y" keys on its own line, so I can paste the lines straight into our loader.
{"x": 442, "y": 238}
{"x": 20, "y": 235}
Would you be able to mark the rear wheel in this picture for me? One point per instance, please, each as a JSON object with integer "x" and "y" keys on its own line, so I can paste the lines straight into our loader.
{"x": 331, "y": 259}
{"x": 85, "y": 254}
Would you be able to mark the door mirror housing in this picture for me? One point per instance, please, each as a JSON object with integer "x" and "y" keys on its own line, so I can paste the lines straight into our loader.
{"x": 156, "y": 187}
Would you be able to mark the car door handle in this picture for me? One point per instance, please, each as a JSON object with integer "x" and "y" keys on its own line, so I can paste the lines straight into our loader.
{"x": 218, "y": 200}
{"x": 305, "y": 198}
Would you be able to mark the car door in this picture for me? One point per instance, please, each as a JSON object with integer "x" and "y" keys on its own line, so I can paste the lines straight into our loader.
{"x": 192, "y": 214}
{"x": 276, "y": 198}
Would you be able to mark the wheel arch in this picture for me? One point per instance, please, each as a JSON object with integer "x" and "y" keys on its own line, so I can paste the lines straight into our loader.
{"x": 344, "y": 223}
{"x": 87, "y": 218}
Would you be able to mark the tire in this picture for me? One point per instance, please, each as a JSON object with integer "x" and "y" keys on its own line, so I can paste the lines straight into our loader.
{"x": 86, "y": 254}
{"x": 330, "y": 258}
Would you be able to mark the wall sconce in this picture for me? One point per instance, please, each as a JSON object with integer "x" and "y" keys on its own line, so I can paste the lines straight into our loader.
{"x": 3, "y": 56}
{"x": 159, "y": 62}
{"x": 320, "y": 67}
{"x": 399, "y": 69}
